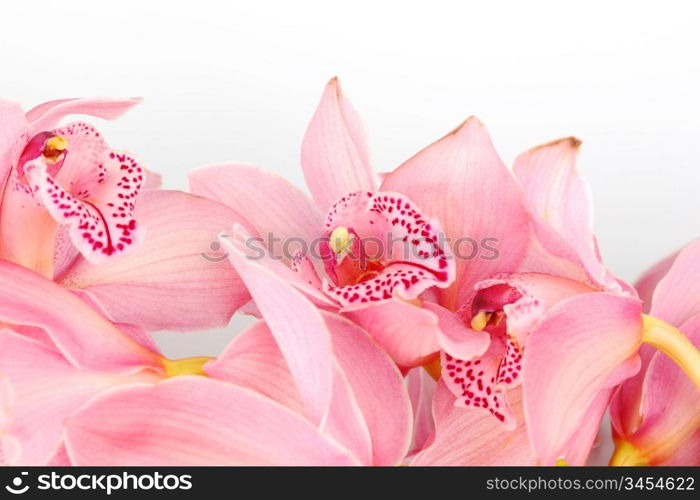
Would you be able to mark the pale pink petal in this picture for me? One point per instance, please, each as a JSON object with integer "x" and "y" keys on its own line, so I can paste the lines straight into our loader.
{"x": 60, "y": 459}
{"x": 254, "y": 360}
{"x": 178, "y": 279}
{"x": 421, "y": 389}
{"x": 686, "y": 455}
{"x": 624, "y": 407}
{"x": 578, "y": 449}
{"x": 677, "y": 295}
{"x": 583, "y": 345}
{"x": 174, "y": 423}
{"x": 334, "y": 155}
{"x": 296, "y": 324}
{"x": 27, "y": 231}
{"x": 302, "y": 265}
{"x": 45, "y": 389}
{"x": 646, "y": 284}
{"x": 461, "y": 181}
{"x": 345, "y": 422}
{"x": 407, "y": 332}
{"x": 13, "y": 128}
{"x": 455, "y": 337}
{"x": 81, "y": 334}
{"x": 470, "y": 437}
{"x": 560, "y": 200}
{"x": 272, "y": 205}
{"x": 378, "y": 388}
{"x": 254, "y": 249}
{"x": 47, "y": 115}
{"x": 153, "y": 179}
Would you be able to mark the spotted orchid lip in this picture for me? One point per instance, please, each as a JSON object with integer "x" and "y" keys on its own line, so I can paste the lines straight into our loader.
{"x": 388, "y": 217}
{"x": 83, "y": 183}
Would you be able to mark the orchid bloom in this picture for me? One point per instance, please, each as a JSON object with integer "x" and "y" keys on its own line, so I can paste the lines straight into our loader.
{"x": 546, "y": 315}
{"x": 78, "y": 389}
{"x": 465, "y": 319}
{"x": 656, "y": 414}
{"x": 69, "y": 202}
{"x": 370, "y": 257}
{"x": 66, "y": 176}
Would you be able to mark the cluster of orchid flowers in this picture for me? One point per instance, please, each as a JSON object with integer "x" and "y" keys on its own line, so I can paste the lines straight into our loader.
{"x": 378, "y": 341}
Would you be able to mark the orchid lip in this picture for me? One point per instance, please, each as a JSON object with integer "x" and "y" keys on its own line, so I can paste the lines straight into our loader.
{"x": 379, "y": 243}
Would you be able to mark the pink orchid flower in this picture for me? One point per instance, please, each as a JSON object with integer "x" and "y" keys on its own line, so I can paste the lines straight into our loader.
{"x": 376, "y": 250}
{"x": 546, "y": 289}
{"x": 68, "y": 202}
{"x": 66, "y": 176}
{"x": 78, "y": 389}
{"x": 546, "y": 316}
{"x": 656, "y": 414}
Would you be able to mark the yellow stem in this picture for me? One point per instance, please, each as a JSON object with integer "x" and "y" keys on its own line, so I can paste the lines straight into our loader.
{"x": 185, "y": 366}
{"x": 674, "y": 344}
{"x": 627, "y": 455}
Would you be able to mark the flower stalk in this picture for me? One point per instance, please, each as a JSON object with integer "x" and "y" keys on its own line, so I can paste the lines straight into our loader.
{"x": 671, "y": 341}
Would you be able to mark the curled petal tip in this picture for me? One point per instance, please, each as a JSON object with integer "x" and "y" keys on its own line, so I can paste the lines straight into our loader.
{"x": 470, "y": 123}
{"x": 571, "y": 143}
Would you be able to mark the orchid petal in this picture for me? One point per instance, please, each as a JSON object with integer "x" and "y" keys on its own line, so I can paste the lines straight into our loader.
{"x": 646, "y": 284}
{"x": 172, "y": 423}
{"x": 334, "y": 155}
{"x": 560, "y": 199}
{"x": 584, "y": 344}
{"x": 408, "y": 333}
{"x": 174, "y": 280}
{"x": 577, "y": 451}
{"x": 254, "y": 360}
{"x": 255, "y": 250}
{"x": 367, "y": 367}
{"x": 677, "y": 295}
{"x": 13, "y": 126}
{"x": 45, "y": 388}
{"x": 47, "y": 115}
{"x": 82, "y": 335}
{"x": 273, "y": 206}
{"x": 480, "y": 206}
{"x": 421, "y": 389}
{"x": 297, "y": 326}
{"x": 470, "y": 437}
{"x": 345, "y": 422}
{"x": 455, "y": 337}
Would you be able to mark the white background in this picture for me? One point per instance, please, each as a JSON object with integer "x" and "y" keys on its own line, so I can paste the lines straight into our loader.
{"x": 240, "y": 80}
